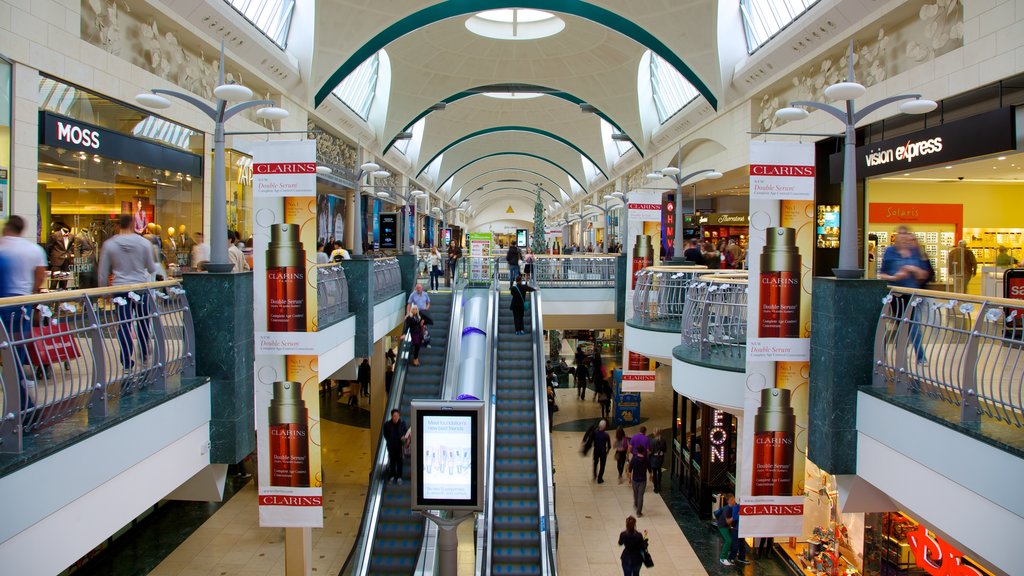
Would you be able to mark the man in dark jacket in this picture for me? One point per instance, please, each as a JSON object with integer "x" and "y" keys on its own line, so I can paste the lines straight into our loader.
{"x": 363, "y": 375}
{"x": 602, "y": 444}
{"x": 396, "y": 432}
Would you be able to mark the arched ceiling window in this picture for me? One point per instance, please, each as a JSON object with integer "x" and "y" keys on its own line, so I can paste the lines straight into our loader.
{"x": 272, "y": 17}
{"x": 671, "y": 91}
{"x": 764, "y": 19}
{"x": 612, "y": 135}
{"x": 358, "y": 89}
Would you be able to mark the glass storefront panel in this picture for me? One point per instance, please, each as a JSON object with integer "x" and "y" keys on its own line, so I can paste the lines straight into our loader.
{"x": 99, "y": 159}
{"x": 5, "y": 138}
{"x": 239, "y": 192}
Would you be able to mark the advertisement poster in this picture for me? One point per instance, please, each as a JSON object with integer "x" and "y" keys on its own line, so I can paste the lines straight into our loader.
{"x": 644, "y": 231}
{"x": 638, "y": 380}
{"x": 388, "y": 226}
{"x": 781, "y": 171}
{"x": 480, "y": 256}
{"x": 774, "y": 449}
{"x": 447, "y": 457}
{"x": 286, "y": 387}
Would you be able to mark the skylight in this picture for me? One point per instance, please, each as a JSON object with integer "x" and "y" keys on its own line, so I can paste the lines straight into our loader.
{"x": 161, "y": 130}
{"x": 358, "y": 88}
{"x": 513, "y": 95}
{"x": 671, "y": 91}
{"x": 621, "y": 147}
{"x": 764, "y": 19}
{"x": 272, "y": 17}
{"x": 515, "y": 24}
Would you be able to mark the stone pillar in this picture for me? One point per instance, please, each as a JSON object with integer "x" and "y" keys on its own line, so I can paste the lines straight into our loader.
{"x": 844, "y": 314}
{"x": 350, "y": 221}
{"x": 378, "y": 396}
{"x": 359, "y": 274}
{"x": 24, "y": 169}
{"x": 621, "y": 278}
{"x": 221, "y": 307}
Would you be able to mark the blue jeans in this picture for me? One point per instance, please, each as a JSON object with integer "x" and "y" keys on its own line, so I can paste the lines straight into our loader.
{"x": 18, "y": 322}
{"x": 435, "y": 274}
{"x": 513, "y": 272}
{"x": 900, "y": 304}
{"x": 125, "y": 316}
{"x": 630, "y": 569}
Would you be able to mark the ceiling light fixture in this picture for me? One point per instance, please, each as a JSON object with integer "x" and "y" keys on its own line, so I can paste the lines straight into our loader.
{"x": 620, "y": 137}
{"x": 407, "y": 135}
{"x": 232, "y": 92}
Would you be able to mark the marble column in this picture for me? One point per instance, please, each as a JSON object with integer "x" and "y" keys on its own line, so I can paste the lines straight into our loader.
{"x": 844, "y": 314}
{"x": 378, "y": 396}
{"x": 359, "y": 274}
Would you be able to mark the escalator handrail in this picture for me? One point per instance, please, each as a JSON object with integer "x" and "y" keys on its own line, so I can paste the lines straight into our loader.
{"x": 545, "y": 478}
{"x": 491, "y": 370}
{"x": 361, "y": 549}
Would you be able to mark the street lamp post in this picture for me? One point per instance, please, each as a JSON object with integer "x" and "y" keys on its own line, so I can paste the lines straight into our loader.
{"x": 850, "y": 91}
{"x": 408, "y": 197}
{"x": 367, "y": 168}
{"x": 462, "y": 206}
{"x": 219, "y": 113}
{"x": 606, "y": 209}
{"x": 672, "y": 173}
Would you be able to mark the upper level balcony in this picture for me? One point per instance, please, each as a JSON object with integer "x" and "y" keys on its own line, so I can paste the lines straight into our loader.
{"x": 581, "y": 291}
{"x": 659, "y": 300}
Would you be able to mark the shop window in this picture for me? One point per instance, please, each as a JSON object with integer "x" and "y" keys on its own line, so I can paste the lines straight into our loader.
{"x": 239, "y": 192}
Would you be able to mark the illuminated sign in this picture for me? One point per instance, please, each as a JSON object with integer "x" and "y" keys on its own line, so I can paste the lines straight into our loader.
{"x": 447, "y": 455}
{"x": 718, "y": 436}
{"x": 936, "y": 556}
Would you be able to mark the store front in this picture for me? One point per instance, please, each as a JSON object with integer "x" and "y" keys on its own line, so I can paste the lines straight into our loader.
{"x": 958, "y": 181}
{"x": 703, "y": 454}
{"x": 716, "y": 227}
{"x": 99, "y": 159}
{"x": 5, "y": 138}
{"x": 239, "y": 192}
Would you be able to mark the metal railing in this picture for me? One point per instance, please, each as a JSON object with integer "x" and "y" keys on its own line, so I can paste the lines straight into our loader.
{"x": 964, "y": 350}
{"x": 564, "y": 271}
{"x": 545, "y": 466}
{"x": 659, "y": 295}
{"x": 332, "y": 295}
{"x": 65, "y": 353}
{"x": 714, "y": 320}
{"x": 485, "y": 529}
{"x": 387, "y": 279}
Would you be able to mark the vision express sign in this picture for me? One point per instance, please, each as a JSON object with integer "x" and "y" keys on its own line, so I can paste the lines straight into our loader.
{"x": 979, "y": 135}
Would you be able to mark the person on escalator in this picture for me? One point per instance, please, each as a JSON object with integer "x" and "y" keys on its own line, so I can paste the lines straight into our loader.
{"x": 519, "y": 302}
{"x": 396, "y": 433}
{"x": 415, "y": 326}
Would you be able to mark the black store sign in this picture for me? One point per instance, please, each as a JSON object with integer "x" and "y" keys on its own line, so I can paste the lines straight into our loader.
{"x": 63, "y": 132}
{"x": 988, "y": 133}
{"x": 388, "y": 223}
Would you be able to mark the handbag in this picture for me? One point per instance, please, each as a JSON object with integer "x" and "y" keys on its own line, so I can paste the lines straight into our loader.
{"x": 58, "y": 346}
{"x": 648, "y": 561}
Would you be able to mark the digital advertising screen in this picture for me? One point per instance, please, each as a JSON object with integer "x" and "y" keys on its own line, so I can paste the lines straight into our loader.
{"x": 521, "y": 237}
{"x": 447, "y": 455}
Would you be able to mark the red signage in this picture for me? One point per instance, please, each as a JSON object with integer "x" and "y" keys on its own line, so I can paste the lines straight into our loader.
{"x": 936, "y": 556}
{"x": 895, "y": 213}
{"x": 286, "y": 500}
{"x": 285, "y": 168}
{"x": 772, "y": 510}
{"x": 781, "y": 170}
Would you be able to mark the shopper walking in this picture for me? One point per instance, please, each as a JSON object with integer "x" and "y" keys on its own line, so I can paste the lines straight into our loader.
{"x": 602, "y": 444}
{"x": 363, "y": 376}
{"x": 657, "y": 458}
{"x": 22, "y": 272}
{"x": 415, "y": 326}
{"x": 738, "y": 552}
{"x": 390, "y": 359}
{"x": 518, "y": 305}
{"x": 723, "y": 520}
{"x": 396, "y": 434}
{"x": 580, "y": 363}
{"x": 128, "y": 257}
{"x": 905, "y": 265}
{"x": 640, "y": 440}
{"x": 621, "y": 448}
{"x": 435, "y": 269}
{"x": 604, "y": 398}
{"x": 634, "y": 545}
{"x": 638, "y": 469}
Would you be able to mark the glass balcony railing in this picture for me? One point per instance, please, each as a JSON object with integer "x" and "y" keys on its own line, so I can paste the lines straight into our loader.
{"x": 954, "y": 357}
{"x": 714, "y": 322}
{"x": 564, "y": 271}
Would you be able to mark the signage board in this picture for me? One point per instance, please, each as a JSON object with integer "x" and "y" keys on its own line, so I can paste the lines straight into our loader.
{"x": 521, "y": 237}
{"x": 70, "y": 134}
{"x": 988, "y": 133}
{"x": 388, "y": 226}
{"x": 447, "y": 455}
{"x": 638, "y": 381}
{"x": 1013, "y": 289}
{"x": 781, "y": 171}
{"x": 717, "y": 445}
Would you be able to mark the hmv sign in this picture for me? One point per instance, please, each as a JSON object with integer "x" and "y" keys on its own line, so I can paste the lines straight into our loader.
{"x": 70, "y": 134}
{"x": 988, "y": 133}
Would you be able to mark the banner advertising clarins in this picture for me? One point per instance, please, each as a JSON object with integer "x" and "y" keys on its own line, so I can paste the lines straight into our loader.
{"x": 285, "y": 315}
{"x": 638, "y": 380}
{"x": 644, "y": 210}
{"x": 774, "y": 447}
{"x": 781, "y": 171}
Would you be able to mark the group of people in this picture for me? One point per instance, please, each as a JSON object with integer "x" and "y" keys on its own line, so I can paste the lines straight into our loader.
{"x": 727, "y": 253}
{"x": 727, "y": 520}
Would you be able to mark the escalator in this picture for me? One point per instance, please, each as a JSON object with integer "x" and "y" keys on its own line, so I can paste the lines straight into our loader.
{"x": 391, "y": 535}
{"x": 515, "y": 539}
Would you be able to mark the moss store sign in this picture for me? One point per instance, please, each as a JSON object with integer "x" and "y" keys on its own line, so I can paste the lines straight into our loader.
{"x": 70, "y": 134}
{"x": 988, "y": 133}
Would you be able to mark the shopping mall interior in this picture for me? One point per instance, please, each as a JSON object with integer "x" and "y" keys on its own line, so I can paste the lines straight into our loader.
{"x": 512, "y": 287}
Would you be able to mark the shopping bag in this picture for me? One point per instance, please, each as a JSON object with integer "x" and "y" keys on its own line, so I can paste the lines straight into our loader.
{"x": 648, "y": 561}
{"x": 56, "y": 345}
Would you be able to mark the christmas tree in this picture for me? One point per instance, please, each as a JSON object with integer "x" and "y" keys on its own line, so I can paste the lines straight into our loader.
{"x": 538, "y": 225}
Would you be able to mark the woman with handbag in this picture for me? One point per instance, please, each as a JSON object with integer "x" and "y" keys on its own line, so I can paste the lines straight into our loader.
{"x": 634, "y": 552}
{"x": 414, "y": 325}
{"x": 518, "y": 305}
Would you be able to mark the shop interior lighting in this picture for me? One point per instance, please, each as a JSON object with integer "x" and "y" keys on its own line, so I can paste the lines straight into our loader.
{"x": 155, "y": 101}
{"x": 323, "y": 170}
{"x": 232, "y": 92}
{"x": 272, "y": 113}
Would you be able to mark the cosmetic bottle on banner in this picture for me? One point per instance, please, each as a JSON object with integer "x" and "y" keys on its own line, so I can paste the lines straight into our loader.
{"x": 286, "y": 280}
{"x": 774, "y": 436}
{"x": 643, "y": 255}
{"x": 289, "y": 436}
{"x": 779, "y": 282}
